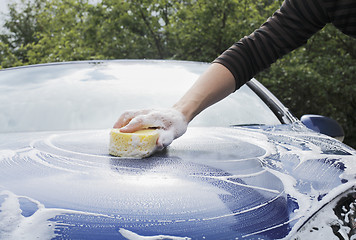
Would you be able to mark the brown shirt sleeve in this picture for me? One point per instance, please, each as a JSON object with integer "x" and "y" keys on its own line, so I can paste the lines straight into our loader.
{"x": 289, "y": 27}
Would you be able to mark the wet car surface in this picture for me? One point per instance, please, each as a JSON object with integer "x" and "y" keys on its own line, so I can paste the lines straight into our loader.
{"x": 259, "y": 176}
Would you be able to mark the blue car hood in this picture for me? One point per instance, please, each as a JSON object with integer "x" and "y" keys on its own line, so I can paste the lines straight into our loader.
{"x": 212, "y": 183}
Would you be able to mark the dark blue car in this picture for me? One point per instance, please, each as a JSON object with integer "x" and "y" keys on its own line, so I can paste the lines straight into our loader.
{"x": 245, "y": 169}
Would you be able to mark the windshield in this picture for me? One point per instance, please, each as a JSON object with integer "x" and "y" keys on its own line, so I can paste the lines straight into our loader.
{"x": 92, "y": 95}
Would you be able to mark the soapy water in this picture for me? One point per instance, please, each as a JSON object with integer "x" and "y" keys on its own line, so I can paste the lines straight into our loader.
{"x": 311, "y": 169}
{"x": 133, "y": 236}
{"x": 15, "y": 224}
{"x": 58, "y": 162}
{"x": 44, "y": 222}
{"x": 232, "y": 181}
{"x": 249, "y": 161}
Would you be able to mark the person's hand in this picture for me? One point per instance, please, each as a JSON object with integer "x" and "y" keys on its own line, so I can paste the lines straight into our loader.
{"x": 170, "y": 123}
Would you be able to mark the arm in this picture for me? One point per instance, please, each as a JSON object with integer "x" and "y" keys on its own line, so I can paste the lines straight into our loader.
{"x": 289, "y": 28}
{"x": 214, "y": 85}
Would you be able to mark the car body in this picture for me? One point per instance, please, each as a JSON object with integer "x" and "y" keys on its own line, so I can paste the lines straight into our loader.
{"x": 245, "y": 169}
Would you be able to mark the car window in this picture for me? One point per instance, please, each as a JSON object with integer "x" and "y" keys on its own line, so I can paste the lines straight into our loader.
{"x": 92, "y": 95}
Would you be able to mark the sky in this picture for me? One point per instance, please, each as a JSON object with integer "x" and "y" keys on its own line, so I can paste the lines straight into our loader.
{"x": 3, "y": 4}
{"x": 4, "y": 9}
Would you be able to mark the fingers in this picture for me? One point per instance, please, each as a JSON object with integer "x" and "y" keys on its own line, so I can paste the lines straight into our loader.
{"x": 126, "y": 118}
{"x": 123, "y": 120}
{"x": 170, "y": 122}
{"x": 134, "y": 125}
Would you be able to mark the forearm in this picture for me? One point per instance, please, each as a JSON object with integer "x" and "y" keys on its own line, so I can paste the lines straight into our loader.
{"x": 212, "y": 86}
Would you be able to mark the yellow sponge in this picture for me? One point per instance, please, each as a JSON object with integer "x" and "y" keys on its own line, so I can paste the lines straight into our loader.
{"x": 139, "y": 144}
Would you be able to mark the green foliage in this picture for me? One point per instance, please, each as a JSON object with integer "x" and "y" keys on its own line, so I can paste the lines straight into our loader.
{"x": 7, "y": 58}
{"x": 22, "y": 28}
{"x": 62, "y": 38}
{"x": 203, "y": 29}
{"x": 316, "y": 78}
{"x": 63, "y": 30}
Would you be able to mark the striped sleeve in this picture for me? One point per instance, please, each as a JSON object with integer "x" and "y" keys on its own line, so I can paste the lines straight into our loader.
{"x": 289, "y": 28}
{"x": 342, "y": 14}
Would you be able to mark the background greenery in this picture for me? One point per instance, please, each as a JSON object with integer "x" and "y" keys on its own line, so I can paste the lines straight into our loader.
{"x": 317, "y": 78}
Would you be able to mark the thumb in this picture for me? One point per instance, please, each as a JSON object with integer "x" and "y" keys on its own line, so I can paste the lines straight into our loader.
{"x": 165, "y": 138}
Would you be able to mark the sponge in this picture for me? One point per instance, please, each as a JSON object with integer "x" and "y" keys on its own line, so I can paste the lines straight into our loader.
{"x": 139, "y": 144}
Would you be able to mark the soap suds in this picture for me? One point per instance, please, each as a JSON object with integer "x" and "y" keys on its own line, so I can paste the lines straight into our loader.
{"x": 281, "y": 159}
{"x": 306, "y": 151}
{"x": 6, "y": 154}
{"x": 13, "y": 225}
{"x": 133, "y": 236}
{"x": 170, "y": 123}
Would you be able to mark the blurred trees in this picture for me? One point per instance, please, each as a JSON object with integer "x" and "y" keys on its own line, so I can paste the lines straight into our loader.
{"x": 21, "y": 29}
{"x": 61, "y": 30}
{"x": 316, "y": 78}
{"x": 319, "y": 78}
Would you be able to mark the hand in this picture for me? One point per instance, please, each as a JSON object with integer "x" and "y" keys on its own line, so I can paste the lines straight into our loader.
{"x": 170, "y": 122}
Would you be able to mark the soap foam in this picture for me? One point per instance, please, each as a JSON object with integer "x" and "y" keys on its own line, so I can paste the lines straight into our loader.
{"x": 13, "y": 225}
{"x": 170, "y": 122}
{"x": 134, "y": 236}
{"x": 10, "y": 212}
{"x": 4, "y": 154}
{"x": 308, "y": 202}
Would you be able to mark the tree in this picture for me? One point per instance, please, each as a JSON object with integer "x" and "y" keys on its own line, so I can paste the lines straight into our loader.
{"x": 202, "y": 29}
{"x": 77, "y": 30}
{"x": 63, "y": 27}
{"x": 7, "y": 58}
{"x": 318, "y": 78}
{"x": 133, "y": 28}
{"x": 21, "y": 26}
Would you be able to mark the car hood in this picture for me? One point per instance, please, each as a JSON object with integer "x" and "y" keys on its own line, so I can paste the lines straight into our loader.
{"x": 212, "y": 183}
